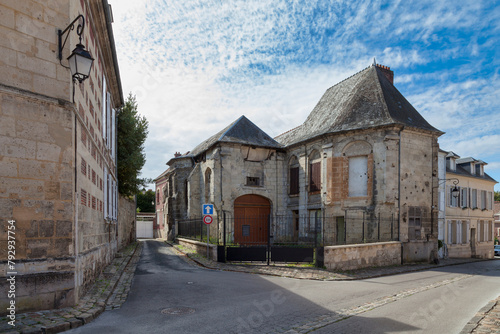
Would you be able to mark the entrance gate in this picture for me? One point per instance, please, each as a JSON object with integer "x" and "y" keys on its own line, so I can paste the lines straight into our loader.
{"x": 251, "y": 236}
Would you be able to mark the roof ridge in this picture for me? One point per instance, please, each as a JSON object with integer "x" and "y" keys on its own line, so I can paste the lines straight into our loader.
{"x": 230, "y": 127}
{"x": 338, "y": 83}
{"x": 281, "y": 134}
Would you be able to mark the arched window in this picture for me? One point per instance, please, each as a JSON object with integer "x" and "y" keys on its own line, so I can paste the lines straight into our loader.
{"x": 294, "y": 176}
{"x": 314, "y": 172}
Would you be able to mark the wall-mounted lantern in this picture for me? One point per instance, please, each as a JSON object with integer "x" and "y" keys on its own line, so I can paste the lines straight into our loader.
{"x": 80, "y": 61}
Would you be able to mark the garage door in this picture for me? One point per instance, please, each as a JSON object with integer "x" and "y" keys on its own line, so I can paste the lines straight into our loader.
{"x": 144, "y": 229}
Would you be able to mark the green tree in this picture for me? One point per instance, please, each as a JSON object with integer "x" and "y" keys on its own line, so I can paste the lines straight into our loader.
{"x": 146, "y": 201}
{"x": 131, "y": 135}
{"x": 497, "y": 196}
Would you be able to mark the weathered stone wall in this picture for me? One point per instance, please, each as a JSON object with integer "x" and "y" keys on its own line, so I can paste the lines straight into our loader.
{"x": 362, "y": 255}
{"x": 126, "y": 221}
{"x": 199, "y": 247}
{"x": 53, "y": 154}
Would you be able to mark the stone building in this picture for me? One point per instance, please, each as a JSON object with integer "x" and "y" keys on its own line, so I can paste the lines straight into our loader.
{"x": 467, "y": 229}
{"x": 57, "y": 150}
{"x": 361, "y": 168}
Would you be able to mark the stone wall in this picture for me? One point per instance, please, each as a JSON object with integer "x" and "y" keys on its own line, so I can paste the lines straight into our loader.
{"x": 362, "y": 255}
{"x": 126, "y": 221}
{"x": 199, "y": 247}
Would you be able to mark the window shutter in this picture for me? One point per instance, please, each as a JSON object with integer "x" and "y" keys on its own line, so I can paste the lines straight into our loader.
{"x": 315, "y": 177}
{"x": 294, "y": 180}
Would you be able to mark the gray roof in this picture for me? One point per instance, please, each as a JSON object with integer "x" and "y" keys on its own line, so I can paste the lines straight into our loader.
{"x": 365, "y": 100}
{"x": 241, "y": 131}
{"x": 462, "y": 171}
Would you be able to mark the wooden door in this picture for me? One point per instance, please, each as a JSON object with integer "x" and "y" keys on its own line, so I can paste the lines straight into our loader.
{"x": 251, "y": 215}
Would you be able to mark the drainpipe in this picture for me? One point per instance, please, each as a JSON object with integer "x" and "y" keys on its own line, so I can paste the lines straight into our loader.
{"x": 399, "y": 195}
{"x": 220, "y": 161}
{"x": 77, "y": 199}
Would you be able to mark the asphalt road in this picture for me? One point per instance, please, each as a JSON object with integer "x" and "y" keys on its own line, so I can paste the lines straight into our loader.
{"x": 169, "y": 295}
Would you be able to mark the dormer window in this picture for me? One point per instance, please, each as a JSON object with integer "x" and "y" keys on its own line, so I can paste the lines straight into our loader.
{"x": 473, "y": 168}
{"x": 451, "y": 164}
{"x": 479, "y": 170}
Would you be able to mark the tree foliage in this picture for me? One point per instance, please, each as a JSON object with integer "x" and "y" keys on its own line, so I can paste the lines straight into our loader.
{"x": 145, "y": 201}
{"x": 497, "y": 196}
{"x": 131, "y": 135}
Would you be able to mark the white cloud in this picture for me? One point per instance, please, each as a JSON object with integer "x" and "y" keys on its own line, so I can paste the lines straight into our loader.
{"x": 196, "y": 65}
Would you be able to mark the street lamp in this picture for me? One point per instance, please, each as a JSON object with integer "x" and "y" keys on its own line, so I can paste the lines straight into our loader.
{"x": 80, "y": 61}
{"x": 454, "y": 191}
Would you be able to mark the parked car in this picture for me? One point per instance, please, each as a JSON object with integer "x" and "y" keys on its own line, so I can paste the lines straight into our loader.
{"x": 497, "y": 250}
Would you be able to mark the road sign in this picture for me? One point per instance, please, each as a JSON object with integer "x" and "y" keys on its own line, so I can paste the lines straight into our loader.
{"x": 208, "y": 219}
{"x": 207, "y": 209}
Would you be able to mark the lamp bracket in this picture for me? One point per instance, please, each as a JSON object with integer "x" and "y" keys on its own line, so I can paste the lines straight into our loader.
{"x": 71, "y": 26}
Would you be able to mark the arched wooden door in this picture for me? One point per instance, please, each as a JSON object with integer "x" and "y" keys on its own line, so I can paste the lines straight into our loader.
{"x": 251, "y": 216}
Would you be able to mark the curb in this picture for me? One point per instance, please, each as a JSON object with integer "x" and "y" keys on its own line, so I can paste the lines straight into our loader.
{"x": 90, "y": 306}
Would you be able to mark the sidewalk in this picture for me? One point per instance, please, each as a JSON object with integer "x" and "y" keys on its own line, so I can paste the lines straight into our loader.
{"x": 109, "y": 292}
{"x": 112, "y": 287}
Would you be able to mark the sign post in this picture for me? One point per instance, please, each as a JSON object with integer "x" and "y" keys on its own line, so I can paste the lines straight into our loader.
{"x": 207, "y": 211}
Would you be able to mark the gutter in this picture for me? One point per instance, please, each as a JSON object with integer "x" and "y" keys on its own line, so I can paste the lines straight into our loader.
{"x": 108, "y": 14}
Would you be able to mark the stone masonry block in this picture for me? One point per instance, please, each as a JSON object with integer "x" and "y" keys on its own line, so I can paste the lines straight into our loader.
{"x": 50, "y": 86}
{"x": 46, "y": 228}
{"x": 8, "y": 167}
{"x": 7, "y": 206}
{"x": 64, "y": 228}
{"x": 8, "y": 126}
{"x": 17, "y": 147}
{"x": 33, "y": 130}
{"x": 21, "y": 188}
{"x": 36, "y": 28}
{"x": 37, "y": 169}
{"x": 36, "y": 65}
{"x": 46, "y": 151}
{"x": 7, "y": 17}
{"x": 8, "y": 57}
{"x": 37, "y": 248}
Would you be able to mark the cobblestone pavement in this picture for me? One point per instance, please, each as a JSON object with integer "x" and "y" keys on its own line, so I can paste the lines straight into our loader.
{"x": 112, "y": 287}
{"x": 109, "y": 291}
{"x": 487, "y": 320}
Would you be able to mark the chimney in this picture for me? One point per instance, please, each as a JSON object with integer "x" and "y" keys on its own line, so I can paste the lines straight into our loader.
{"x": 386, "y": 70}
{"x": 177, "y": 154}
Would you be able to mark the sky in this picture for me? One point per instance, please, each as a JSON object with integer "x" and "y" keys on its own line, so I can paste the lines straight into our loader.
{"x": 196, "y": 66}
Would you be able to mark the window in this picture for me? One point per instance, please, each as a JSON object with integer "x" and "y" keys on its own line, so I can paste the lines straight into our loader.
{"x": 84, "y": 167}
{"x": 158, "y": 197}
{"x": 414, "y": 222}
{"x": 253, "y": 181}
{"x": 463, "y": 197}
{"x": 473, "y": 199}
{"x": 208, "y": 180}
{"x": 452, "y": 200}
{"x": 481, "y": 231}
{"x": 483, "y": 200}
{"x": 294, "y": 177}
{"x": 358, "y": 176}
{"x": 83, "y": 199}
{"x": 315, "y": 172}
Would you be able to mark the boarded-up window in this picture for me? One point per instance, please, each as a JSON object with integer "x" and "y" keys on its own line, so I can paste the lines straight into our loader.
{"x": 294, "y": 180}
{"x": 358, "y": 176}
{"x": 315, "y": 177}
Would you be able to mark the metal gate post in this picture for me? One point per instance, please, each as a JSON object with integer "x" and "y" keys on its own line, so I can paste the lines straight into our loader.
{"x": 378, "y": 238}
{"x": 268, "y": 238}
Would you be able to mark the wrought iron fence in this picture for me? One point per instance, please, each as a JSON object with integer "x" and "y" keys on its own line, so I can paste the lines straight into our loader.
{"x": 313, "y": 230}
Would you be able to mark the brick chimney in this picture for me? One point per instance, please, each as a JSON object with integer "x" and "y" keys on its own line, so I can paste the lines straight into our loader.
{"x": 386, "y": 70}
{"x": 177, "y": 154}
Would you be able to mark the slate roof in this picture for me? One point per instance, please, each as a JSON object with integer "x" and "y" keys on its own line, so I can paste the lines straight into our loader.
{"x": 241, "y": 131}
{"x": 462, "y": 171}
{"x": 365, "y": 100}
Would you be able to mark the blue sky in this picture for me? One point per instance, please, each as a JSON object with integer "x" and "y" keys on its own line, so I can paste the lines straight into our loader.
{"x": 196, "y": 66}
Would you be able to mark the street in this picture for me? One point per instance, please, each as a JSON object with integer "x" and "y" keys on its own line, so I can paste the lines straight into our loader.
{"x": 169, "y": 295}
